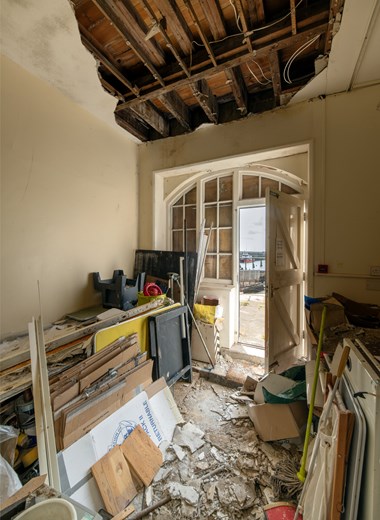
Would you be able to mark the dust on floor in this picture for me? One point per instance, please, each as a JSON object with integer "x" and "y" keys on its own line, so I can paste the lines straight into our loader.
{"x": 216, "y": 467}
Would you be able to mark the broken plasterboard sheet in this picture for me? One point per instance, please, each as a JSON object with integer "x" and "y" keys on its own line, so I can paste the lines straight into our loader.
{"x": 164, "y": 406}
{"x": 88, "y": 495}
{"x": 121, "y": 423}
{"x": 77, "y": 461}
{"x": 189, "y": 436}
{"x": 274, "y": 383}
{"x": 187, "y": 493}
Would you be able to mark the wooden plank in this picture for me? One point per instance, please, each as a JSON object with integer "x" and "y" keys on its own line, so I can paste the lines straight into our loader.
{"x": 114, "y": 481}
{"x": 260, "y": 13}
{"x": 201, "y": 32}
{"x": 143, "y": 456}
{"x": 171, "y": 47}
{"x": 138, "y": 30}
{"x": 276, "y": 75}
{"x": 51, "y": 449}
{"x": 206, "y": 99}
{"x": 178, "y": 25}
{"x": 293, "y": 17}
{"x": 235, "y": 77}
{"x": 124, "y": 513}
{"x": 149, "y": 114}
{"x": 244, "y": 23}
{"x": 177, "y": 107}
{"x": 127, "y": 120}
{"x": 214, "y": 16}
{"x": 114, "y": 17}
{"x": 24, "y": 492}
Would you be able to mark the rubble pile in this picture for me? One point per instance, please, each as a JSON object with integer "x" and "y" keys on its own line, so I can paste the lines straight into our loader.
{"x": 215, "y": 467}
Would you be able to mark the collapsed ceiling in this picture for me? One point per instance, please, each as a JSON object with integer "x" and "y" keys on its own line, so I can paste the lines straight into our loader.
{"x": 176, "y": 64}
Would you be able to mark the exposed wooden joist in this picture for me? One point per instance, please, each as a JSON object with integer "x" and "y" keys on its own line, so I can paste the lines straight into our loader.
{"x": 177, "y": 108}
{"x": 206, "y": 99}
{"x": 108, "y": 65}
{"x": 214, "y": 16}
{"x": 244, "y": 23}
{"x": 335, "y": 7}
{"x": 178, "y": 25}
{"x": 112, "y": 15}
{"x": 111, "y": 89}
{"x": 127, "y": 120}
{"x": 137, "y": 28}
{"x": 261, "y": 53}
{"x": 293, "y": 17}
{"x": 151, "y": 115}
{"x": 239, "y": 91}
{"x": 276, "y": 75}
{"x": 164, "y": 34}
{"x": 234, "y": 76}
{"x": 201, "y": 32}
{"x": 260, "y": 13}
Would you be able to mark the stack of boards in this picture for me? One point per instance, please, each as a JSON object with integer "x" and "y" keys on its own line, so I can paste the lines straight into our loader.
{"x": 87, "y": 393}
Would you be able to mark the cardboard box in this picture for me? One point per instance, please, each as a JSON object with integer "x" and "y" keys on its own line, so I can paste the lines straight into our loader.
{"x": 274, "y": 422}
{"x": 334, "y": 316}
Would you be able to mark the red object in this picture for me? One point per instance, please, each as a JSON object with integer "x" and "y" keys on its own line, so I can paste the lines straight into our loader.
{"x": 281, "y": 511}
{"x": 151, "y": 289}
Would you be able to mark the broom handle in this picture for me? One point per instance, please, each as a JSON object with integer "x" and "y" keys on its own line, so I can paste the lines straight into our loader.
{"x": 325, "y": 413}
{"x": 302, "y": 472}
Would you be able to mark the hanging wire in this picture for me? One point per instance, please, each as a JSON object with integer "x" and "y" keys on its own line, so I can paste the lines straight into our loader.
{"x": 249, "y": 33}
{"x": 290, "y": 61}
{"x": 237, "y": 17}
{"x": 256, "y": 78}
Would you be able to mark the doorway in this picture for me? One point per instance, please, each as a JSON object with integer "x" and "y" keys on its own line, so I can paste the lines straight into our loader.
{"x": 252, "y": 251}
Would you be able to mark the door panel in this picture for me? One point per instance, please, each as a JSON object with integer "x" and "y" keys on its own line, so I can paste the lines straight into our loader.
{"x": 284, "y": 277}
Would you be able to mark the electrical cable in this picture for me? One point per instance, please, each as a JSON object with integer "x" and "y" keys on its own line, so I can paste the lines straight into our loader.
{"x": 290, "y": 61}
{"x": 237, "y": 17}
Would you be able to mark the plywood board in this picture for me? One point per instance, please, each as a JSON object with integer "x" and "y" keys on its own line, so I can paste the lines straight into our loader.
{"x": 143, "y": 456}
{"x": 114, "y": 480}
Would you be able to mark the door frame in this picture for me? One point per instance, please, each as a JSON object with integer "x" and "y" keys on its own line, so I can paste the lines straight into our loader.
{"x": 242, "y": 204}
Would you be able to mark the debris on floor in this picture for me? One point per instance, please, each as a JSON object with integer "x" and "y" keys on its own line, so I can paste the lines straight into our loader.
{"x": 216, "y": 467}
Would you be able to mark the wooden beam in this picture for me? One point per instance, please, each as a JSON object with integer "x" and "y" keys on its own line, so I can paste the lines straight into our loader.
{"x": 168, "y": 42}
{"x": 261, "y": 52}
{"x": 108, "y": 65}
{"x": 235, "y": 77}
{"x": 201, "y": 33}
{"x": 206, "y": 99}
{"x": 293, "y": 16}
{"x": 276, "y": 75}
{"x": 152, "y": 116}
{"x": 244, "y": 23}
{"x": 214, "y": 16}
{"x": 178, "y": 25}
{"x": 260, "y": 13}
{"x": 106, "y": 7}
{"x": 137, "y": 28}
{"x": 177, "y": 108}
{"x": 335, "y": 7}
{"x": 127, "y": 120}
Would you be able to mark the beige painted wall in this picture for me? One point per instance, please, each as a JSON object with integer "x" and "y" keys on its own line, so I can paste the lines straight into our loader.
{"x": 344, "y": 220}
{"x": 68, "y": 201}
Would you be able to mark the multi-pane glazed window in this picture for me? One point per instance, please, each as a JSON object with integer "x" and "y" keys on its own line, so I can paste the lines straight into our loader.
{"x": 217, "y": 205}
{"x": 184, "y": 210}
{"x": 254, "y": 186}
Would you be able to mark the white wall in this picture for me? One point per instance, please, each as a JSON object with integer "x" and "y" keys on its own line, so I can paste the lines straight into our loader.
{"x": 68, "y": 201}
{"x": 344, "y": 132}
